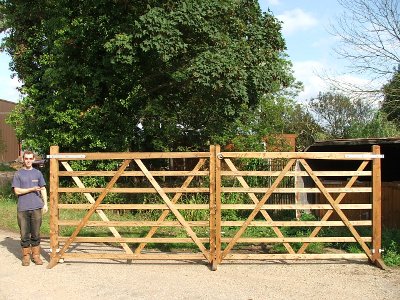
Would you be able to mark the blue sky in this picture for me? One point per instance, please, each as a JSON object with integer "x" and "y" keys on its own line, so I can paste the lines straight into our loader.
{"x": 310, "y": 46}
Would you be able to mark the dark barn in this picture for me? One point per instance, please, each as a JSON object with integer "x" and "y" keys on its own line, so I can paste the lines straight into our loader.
{"x": 390, "y": 164}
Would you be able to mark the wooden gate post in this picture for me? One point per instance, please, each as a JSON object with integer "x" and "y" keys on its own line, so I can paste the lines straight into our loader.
{"x": 54, "y": 182}
{"x": 218, "y": 185}
{"x": 376, "y": 209}
{"x": 212, "y": 209}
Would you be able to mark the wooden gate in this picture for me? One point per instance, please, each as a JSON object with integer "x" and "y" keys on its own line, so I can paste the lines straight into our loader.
{"x": 213, "y": 205}
{"x": 233, "y": 179}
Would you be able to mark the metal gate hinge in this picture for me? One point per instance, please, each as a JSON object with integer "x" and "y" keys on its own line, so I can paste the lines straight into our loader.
{"x": 220, "y": 156}
{"x": 379, "y": 251}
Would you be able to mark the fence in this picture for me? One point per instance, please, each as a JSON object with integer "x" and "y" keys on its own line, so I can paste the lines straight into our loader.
{"x": 391, "y": 204}
{"x": 218, "y": 210}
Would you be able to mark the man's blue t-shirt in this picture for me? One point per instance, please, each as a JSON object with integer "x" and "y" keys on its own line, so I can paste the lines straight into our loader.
{"x": 26, "y": 179}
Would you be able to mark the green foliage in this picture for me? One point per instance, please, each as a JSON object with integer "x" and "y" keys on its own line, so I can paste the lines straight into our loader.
{"x": 8, "y": 208}
{"x": 195, "y": 214}
{"x": 303, "y": 123}
{"x": 6, "y": 193}
{"x": 274, "y": 115}
{"x": 230, "y": 214}
{"x": 341, "y": 117}
{"x": 379, "y": 126}
{"x": 391, "y": 247}
{"x": 5, "y": 168}
{"x": 336, "y": 112}
{"x": 150, "y": 75}
{"x": 391, "y": 102}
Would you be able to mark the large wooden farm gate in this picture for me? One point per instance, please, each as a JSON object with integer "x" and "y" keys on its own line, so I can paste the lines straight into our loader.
{"x": 211, "y": 206}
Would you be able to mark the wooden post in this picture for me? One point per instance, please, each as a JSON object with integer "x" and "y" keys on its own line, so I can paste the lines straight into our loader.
{"x": 218, "y": 183}
{"x": 212, "y": 209}
{"x": 54, "y": 181}
{"x": 376, "y": 209}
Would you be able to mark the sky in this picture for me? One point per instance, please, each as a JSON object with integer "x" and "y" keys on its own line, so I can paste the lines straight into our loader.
{"x": 310, "y": 46}
{"x": 305, "y": 29}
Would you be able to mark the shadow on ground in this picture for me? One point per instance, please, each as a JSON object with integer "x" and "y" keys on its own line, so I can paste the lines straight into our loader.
{"x": 13, "y": 246}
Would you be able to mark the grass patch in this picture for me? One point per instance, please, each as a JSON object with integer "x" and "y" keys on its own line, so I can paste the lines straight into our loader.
{"x": 6, "y": 168}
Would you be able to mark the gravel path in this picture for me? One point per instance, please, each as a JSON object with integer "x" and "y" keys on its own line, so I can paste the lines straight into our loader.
{"x": 106, "y": 279}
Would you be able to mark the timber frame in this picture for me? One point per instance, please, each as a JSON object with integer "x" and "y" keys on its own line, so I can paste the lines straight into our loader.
{"x": 222, "y": 179}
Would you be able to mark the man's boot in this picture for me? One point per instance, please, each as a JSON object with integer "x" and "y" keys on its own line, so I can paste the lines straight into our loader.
{"x": 26, "y": 256}
{"x": 36, "y": 255}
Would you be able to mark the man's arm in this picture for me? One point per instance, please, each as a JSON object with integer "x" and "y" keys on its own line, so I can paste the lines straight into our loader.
{"x": 43, "y": 191}
{"x": 22, "y": 191}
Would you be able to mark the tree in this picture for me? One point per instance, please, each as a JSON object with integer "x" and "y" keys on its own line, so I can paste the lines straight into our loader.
{"x": 302, "y": 122}
{"x": 148, "y": 75}
{"x": 391, "y": 101}
{"x": 370, "y": 35}
{"x": 340, "y": 116}
{"x": 369, "y": 39}
{"x": 379, "y": 126}
{"x": 336, "y": 113}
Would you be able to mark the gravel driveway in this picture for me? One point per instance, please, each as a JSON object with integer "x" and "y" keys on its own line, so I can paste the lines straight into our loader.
{"x": 106, "y": 279}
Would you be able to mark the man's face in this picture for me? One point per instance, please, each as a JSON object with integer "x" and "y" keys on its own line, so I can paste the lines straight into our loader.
{"x": 28, "y": 160}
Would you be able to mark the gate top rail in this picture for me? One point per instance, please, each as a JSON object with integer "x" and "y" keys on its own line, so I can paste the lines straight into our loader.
{"x": 303, "y": 155}
{"x": 126, "y": 155}
{"x": 153, "y": 155}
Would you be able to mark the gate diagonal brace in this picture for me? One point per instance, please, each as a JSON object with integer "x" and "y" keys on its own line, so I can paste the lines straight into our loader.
{"x": 337, "y": 201}
{"x": 256, "y": 201}
{"x": 258, "y": 207}
{"x": 174, "y": 200}
{"x": 100, "y": 212}
{"x": 337, "y": 209}
{"x": 174, "y": 210}
{"x": 83, "y": 222}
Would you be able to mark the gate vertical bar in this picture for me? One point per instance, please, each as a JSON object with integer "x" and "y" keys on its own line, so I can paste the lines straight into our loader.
{"x": 54, "y": 182}
{"x": 376, "y": 209}
{"x": 213, "y": 257}
{"x": 218, "y": 185}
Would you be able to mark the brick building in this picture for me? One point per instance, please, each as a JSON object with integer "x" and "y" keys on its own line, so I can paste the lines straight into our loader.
{"x": 9, "y": 145}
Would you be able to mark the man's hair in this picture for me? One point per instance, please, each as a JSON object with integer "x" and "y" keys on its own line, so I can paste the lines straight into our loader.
{"x": 27, "y": 152}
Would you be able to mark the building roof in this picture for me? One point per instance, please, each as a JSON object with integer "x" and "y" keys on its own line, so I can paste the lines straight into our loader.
{"x": 8, "y": 101}
{"x": 360, "y": 141}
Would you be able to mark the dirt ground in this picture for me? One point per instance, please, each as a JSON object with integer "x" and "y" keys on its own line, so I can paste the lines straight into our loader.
{"x": 105, "y": 279}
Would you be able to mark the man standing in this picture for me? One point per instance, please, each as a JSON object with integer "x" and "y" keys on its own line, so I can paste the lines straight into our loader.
{"x": 29, "y": 186}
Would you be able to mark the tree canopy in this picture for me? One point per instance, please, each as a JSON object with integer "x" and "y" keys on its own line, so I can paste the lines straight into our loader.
{"x": 342, "y": 117}
{"x": 391, "y": 101}
{"x": 140, "y": 75}
{"x": 368, "y": 36}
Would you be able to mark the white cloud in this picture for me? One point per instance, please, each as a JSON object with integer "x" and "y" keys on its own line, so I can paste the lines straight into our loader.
{"x": 8, "y": 85}
{"x": 356, "y": 87}
{"x": 8, "y": 88}
{"x": 307, "y": 72}
{"x": 316, "y": 78}
{"x": 296, "y": 20}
